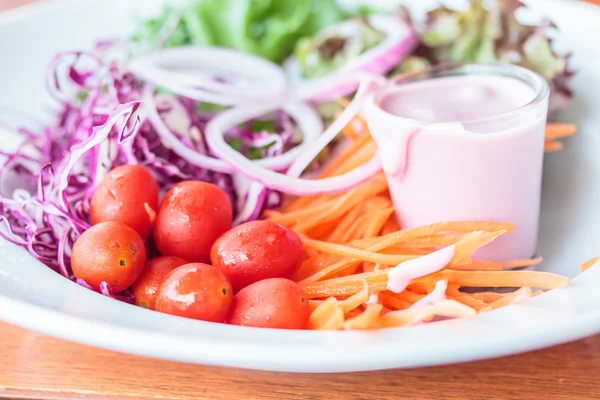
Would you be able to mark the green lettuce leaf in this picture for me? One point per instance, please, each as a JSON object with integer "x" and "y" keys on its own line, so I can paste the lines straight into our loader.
{"x": 268, "y": 28}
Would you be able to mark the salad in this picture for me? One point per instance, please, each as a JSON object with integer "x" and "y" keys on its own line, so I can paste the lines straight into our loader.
{"x": 216, "y": 166}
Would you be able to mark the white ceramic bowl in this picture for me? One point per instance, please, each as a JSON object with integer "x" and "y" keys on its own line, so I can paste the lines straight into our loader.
{"x": 33, "y": 296}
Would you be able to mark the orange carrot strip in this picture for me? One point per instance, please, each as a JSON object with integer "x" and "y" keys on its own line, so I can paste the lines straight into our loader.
{"x": 474, "y": 239}
{"x": 390, "y": 226}
{"x": 438, "y": 240}
{"x": 350, "y": 252}
{"x": 336, "y": 167}
{"x": 517, "y": 296}
{"x": 377, "y": 223}
{"x": 453, "y": 290}
{"x": 406, "y": 250}
{"x": 377, "y": 281}
{"x": 587, "y": 265}
{"x": 445, "y": 308}
{"x": 551, "y": 147}
{"x": 377, "y": 203}
{"x": 362, "y": 155}
{"x": 366, "y": 319}
{"x": 472, "y": 302}
{"x": 483, "y": 265}
{"x": 327, "y": 316}
{"x": 543, "y": 280}
{"x": 409, "y": 296}
{"x": 356, "y": 231}
{"x": 271, "y": 213}
{"x": 313, "y": 304}
{"x": 332, "y": 168}
{"x": 353, "y": 313}
{"x": 488, "y": 297}
{"x": 390, "y": 300}
{"x": 368, "y": 189}
{"x": 396, "y": 238}
{"x": 557, "y": 131}
{"x": 345, "y": 224}
{"x": 356, "y": 300}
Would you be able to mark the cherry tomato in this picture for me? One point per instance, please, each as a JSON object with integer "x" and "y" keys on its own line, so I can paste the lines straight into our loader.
{"x": 145, "y": 287}
{"x": 272, "y": 303}
{"x": 109, "y": 252}
{"x": 257, "y": 250}
{"x": 196, "y": 290}
{"x": 191, "y": 217}
{"x": 127, "y": 194}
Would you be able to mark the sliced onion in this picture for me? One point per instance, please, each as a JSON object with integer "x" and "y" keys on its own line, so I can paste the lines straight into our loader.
{"x": 400, "y": 40}
{"x": 212, "y": 74}
{"x": 254, "y": 202}
{"x": 125, "y": 112}
{"x": 367, "y": 84}
{"x": 305, "y": 116}
{"x": 277, "y": 181}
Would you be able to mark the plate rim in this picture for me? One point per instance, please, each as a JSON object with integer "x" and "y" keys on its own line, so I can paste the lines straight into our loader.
{"x": 23, "y": 314}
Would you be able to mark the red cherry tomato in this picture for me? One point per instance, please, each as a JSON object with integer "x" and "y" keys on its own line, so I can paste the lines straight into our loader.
{"x": 257, "y": 250}
{"x": 109, "y": 252}
{"x": 191, "y": 217}
{"x": 127, "y": 194}
{"x": 198, "y": 291}
{"x": 272, "y": 303}
{"x": 145, "y": 287}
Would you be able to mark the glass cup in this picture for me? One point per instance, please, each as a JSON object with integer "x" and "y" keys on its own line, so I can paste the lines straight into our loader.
{"x": 465, "y": 143}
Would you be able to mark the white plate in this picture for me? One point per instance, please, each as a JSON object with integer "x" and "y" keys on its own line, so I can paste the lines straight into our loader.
{"x": 35, "y": 297}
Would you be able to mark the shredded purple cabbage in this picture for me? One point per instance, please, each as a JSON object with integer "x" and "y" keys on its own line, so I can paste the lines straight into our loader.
{"x": 47, "y": 183}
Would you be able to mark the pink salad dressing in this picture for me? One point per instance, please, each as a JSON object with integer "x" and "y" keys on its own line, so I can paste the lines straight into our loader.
{"x": 401, "y": 275}
{"x": 453, "y": 150}
{"x": 437, "y": 294}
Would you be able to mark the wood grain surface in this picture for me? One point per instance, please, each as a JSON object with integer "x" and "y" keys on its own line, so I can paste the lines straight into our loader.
{"x": 34, "y": 366}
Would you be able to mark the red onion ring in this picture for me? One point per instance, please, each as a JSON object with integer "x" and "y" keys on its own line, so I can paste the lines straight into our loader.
{"x": 305, "y": 116}
{"x": 400, "y": 40}
{"x": 274, "y": 180}
{"x": 367, "y": 84}
{"x": 211, "y": 74}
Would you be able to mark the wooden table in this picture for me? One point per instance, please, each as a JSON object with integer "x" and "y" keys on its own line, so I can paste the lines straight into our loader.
{"x": 34, "y": 366}
{"x": 39, "y": 367}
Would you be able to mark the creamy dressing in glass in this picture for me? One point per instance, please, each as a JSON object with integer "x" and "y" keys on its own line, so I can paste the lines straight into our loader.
{"x": 453, "y": 149}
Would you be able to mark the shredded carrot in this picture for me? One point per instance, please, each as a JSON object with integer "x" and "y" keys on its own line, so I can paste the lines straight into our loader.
{"x": 553, "y": 146}
{"x": 445, "y": 308}
{"x": 363, "y": 255}
{"x": 483, "y": 265}
{"x": 377, "y": 223}
{"x": 344, "y": 225}
{"x": 334, "y": 167}
{"x": 543, "y": 280}
{"x": 390, "y": 226}
{"x": 473, "y": 302}
{"x": 354, "y": 239}
{"x": 517, "y": 296}
{"x": 327, "y": 316}
{"x": 587, "y": 265}
{"x": 353, "y": 302}
{"x": 557, "y": 131}
{"x": 409, "y": 296}
{"x": 488, "y": 297}
{"x": 391, "y": 301}
{"x": 366, "y": 319}
{"x": 349, "y": 285}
